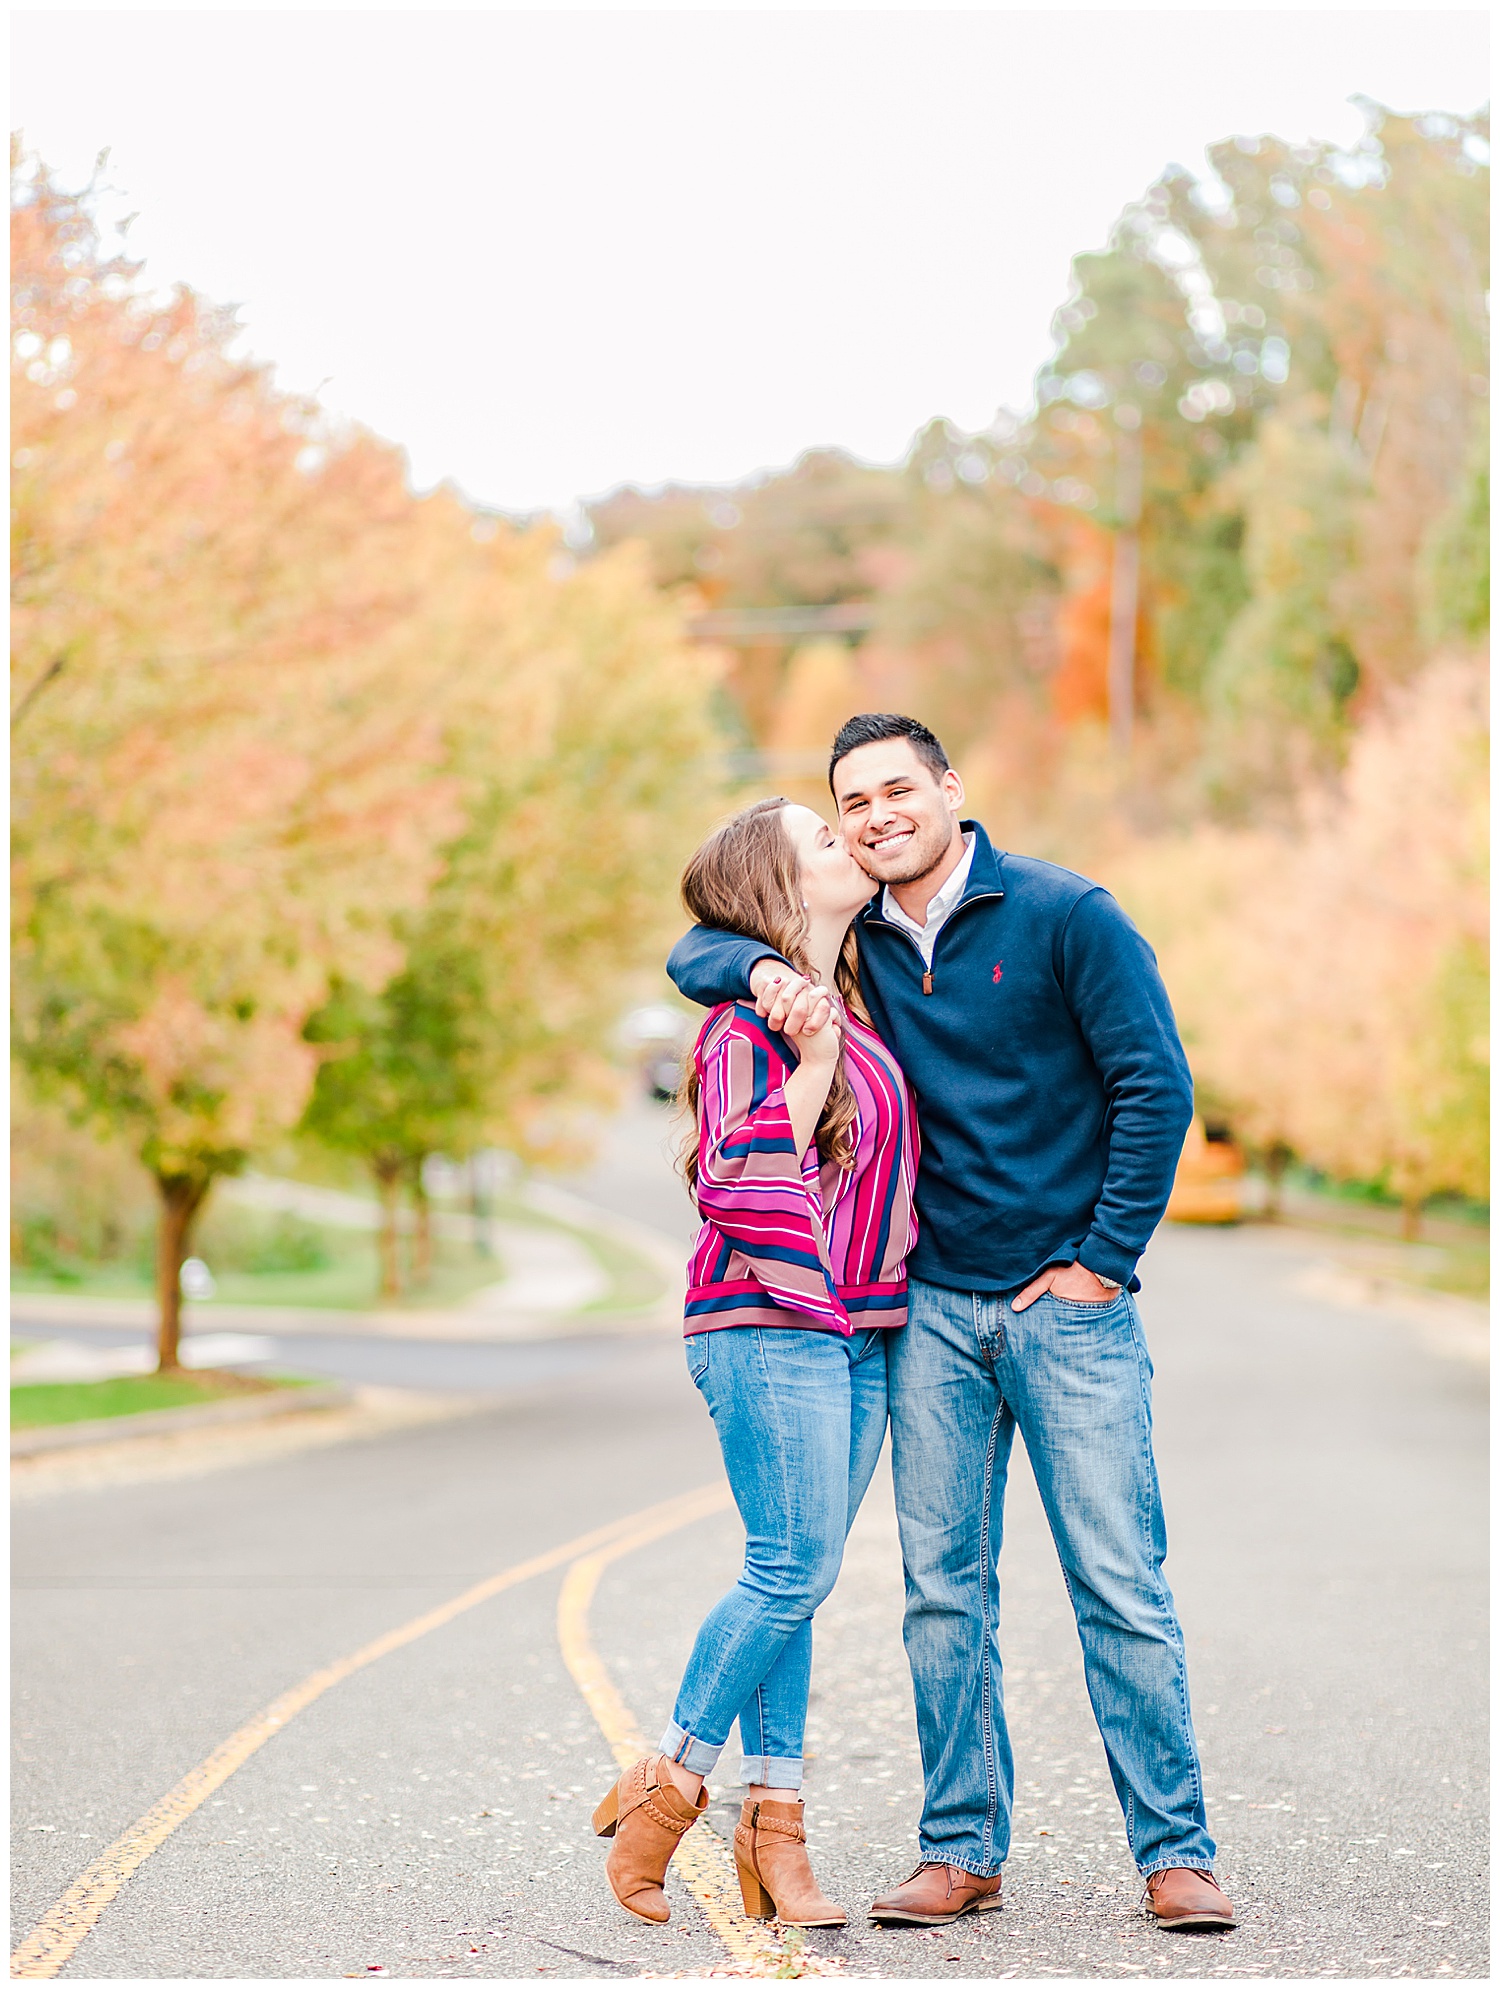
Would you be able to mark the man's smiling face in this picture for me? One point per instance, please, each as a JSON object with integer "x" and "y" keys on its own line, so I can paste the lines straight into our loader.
{"x": 898, "y": 817}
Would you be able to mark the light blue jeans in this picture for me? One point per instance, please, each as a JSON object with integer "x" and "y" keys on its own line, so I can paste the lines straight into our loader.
{"x": 965, "y": 1374}
{"x": 800, "y": 1417}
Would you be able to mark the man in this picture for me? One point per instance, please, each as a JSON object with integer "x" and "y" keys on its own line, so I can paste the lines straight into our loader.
{"x": 1053, "y": 1096}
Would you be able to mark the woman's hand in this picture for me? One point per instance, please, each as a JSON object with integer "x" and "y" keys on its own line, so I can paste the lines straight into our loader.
{"x": 817, "y": 1042}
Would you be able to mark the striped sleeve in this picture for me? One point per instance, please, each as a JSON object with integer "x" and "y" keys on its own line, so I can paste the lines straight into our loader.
{"x": 752, "y": 1186}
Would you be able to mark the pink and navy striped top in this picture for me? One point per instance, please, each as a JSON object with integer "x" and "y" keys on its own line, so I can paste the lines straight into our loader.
{"x": 787, "y": 1242}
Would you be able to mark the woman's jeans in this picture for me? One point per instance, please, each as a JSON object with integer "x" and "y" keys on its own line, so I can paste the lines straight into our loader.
{"x": 801, "y": 1417}
{"x": 966, "y": 1372}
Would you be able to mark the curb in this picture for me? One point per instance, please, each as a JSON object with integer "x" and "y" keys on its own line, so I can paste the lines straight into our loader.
{"x": 164, "y": 1422}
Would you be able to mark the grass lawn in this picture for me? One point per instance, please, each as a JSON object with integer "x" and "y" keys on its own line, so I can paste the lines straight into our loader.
{"x": 40, "y": 1404}
{"x": 346, "y": 1272}
{"x": 347, "y": 1277}
{"x": 1452, "y": 1253}
{"x": 1461, "y": 1268}
{"x": 632, "y": 1281}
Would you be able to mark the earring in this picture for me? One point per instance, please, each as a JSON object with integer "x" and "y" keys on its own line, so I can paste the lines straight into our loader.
{"x": 804, "y": 904}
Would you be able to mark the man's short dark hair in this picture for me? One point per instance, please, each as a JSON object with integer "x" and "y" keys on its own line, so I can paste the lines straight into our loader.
{"x": 868, "y": 728}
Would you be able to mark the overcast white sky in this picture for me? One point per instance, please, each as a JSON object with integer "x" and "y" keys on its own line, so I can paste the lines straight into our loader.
{"x": 550, "y": 252}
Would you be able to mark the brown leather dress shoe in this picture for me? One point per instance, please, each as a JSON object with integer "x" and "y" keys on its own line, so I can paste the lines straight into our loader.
{"x": 1185, "y": 1899}
{"x": 647, "y": 1815}
{"x": 934, "y": 1895}
{"x": 776, "y": 1880}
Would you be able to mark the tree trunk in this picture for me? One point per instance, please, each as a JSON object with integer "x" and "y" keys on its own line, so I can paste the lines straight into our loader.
{"x": 1278, "y": 1159}
{"x": 1411, "y": 1218}
{"x": 421, "y": 1240}
{"x": 388, "y": 1184}
{"x": 1124, "y": 607}
{"x": 479, "y": 1206}
{"x": 181, "y": 1199}
{"x": 1125, "y": 583}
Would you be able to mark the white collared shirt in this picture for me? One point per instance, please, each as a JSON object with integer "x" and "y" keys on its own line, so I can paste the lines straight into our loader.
{"x": 939, "y": 906}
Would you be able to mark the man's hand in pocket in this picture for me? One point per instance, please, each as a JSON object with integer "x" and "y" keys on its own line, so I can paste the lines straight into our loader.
{"x": 1068, "y": 1281}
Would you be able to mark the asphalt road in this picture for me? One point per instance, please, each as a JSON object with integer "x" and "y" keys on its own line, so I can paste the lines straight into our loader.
{"x": 1323, "y": 1470}
{"x": 378, "y": 1361}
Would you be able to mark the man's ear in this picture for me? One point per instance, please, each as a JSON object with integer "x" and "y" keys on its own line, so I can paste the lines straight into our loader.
{"x": 953, "y": 789}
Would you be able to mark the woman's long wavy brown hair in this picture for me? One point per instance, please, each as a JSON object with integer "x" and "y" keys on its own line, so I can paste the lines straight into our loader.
{"x": 744, "y": 878}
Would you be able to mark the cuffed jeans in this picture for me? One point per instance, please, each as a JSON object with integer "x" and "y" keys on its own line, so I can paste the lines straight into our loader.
{"x": 965, "y": 1373}
{"x": 800, "y": 1417}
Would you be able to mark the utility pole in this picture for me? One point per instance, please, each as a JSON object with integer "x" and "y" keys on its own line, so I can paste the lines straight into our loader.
{"x": 1125, "y": 578}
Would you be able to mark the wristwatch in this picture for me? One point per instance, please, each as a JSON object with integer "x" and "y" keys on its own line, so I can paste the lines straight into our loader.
{"x": 1109, "y": 1284}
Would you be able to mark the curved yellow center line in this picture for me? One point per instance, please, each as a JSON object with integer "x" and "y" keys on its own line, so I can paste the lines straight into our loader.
{"x": 55, "y": 1938}
{"x": 615, "y": 1720}
{"x": 703, "y": 1858}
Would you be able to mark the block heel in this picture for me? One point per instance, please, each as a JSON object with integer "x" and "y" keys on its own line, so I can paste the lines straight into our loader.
{"x": 776, "y": 1880}
{"x": 759, "y": 1905}
{"x": 607, "y": 1815}
{"x": 647, "y": 1815}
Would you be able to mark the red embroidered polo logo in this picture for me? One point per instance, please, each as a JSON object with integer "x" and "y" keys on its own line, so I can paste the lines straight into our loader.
{"x": 995, "y": 977}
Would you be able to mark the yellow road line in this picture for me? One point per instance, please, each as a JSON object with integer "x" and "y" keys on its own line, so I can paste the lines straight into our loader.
{"x": 577, "y": 1592}
{"x": 55, "y": 1938}
{"x": 703, "y": 1858}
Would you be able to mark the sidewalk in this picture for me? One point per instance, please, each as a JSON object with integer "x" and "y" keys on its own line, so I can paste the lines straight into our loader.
{"x": 551, "y": 1278}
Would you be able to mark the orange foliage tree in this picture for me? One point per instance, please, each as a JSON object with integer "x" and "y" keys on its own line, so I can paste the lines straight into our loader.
{"x": 1332, "y": 982}
{"x": 297, "y": 757}
{"x": 221, "y": 770}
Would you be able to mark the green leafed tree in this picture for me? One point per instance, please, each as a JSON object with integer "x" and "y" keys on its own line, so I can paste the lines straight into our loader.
{"x": 1369, "y": 269}
{"x": 1280, "y": 683}
{"x": 577, "y": 731}
{"x": 1454, "y": 571}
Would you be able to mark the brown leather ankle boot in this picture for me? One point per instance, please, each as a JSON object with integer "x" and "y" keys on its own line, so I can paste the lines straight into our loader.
{"x": 647, "y": 1815}
{"x": 776, "y": 1880}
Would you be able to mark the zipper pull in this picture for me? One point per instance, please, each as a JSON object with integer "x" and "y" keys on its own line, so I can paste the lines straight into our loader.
{"x": 927, "y": 982}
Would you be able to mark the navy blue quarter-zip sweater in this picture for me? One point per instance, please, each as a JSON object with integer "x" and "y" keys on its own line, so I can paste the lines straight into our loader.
{"x": 1051, "y": 1086}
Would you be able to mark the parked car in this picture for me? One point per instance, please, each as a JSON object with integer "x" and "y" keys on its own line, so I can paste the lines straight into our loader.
{"x": 1210, "y": 1180}
{"x": 656, "y": 1036}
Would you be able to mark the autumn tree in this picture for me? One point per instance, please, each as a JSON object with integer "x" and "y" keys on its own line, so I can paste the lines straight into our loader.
{"x": 1453, "y": 573}
{"x": 811, "y": 536}
{"x": 1277, "y": 693}
{"x": 576, "y": 729}
{"x": 1367, "y": 269}
{"x": 822, "y": 688}
{"x": 1384, "y": 994}
{"x": 221, "y": 779}
{"x": 1331, "y": 978}
{"x": 967, "y": 593}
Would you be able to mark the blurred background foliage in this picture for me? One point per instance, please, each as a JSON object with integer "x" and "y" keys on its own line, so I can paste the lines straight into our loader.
{"x": 347, "y": 815}
{"x": 298, "y": 761}
{"x": 1273, "y": 377}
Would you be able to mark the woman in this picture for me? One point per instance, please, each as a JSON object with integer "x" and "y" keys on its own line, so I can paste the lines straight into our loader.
{"x": 802, "y": 1160}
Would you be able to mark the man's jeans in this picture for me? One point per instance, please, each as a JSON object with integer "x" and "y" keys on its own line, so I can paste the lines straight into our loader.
{"x": 1075, "y": 1379}
{"x": 800, "y": 1416}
